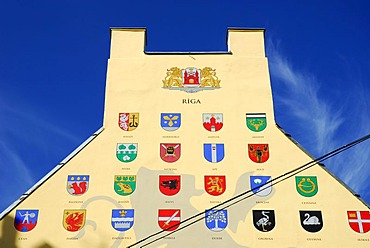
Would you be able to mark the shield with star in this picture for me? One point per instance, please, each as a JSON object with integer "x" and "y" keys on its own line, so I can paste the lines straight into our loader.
{"x": 74, "y": 219}
{"x": 170, "y": 152}
{"x": 25, "y": 220}
{"x": 212, "y": 122}
{"x": 122, "y": 219}
{"x": 126, "y": 152}
{"x": 169, "y": 219}
{"x": 170, "y": 121}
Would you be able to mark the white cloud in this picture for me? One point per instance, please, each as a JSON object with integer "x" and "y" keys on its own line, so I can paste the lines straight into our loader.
{"x": 24, "y": 133}
{"x": 320, "y": 123}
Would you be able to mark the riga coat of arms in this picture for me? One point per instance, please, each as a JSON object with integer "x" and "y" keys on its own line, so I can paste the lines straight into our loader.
{"x": 191, "y": 79}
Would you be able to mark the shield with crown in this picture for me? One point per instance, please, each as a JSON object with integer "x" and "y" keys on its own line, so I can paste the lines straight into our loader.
{"x": 126, "y": 152}
{"x": 122, "y": 219}
{"x": 124, "y": 184}
{"x": 191, "y": 77}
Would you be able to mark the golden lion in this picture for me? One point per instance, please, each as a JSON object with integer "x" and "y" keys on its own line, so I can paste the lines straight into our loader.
{"x": 209, "y": 78}
{"x": 173, "y": 78}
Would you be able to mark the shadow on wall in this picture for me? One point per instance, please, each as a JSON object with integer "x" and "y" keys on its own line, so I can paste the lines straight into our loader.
{"x": 9, "y": 235}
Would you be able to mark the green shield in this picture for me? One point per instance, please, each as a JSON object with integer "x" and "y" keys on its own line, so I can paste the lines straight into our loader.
{"x": 306, "y": 185}
{"x": 124, "y": 184}
{"x": 256, "y": 122}
{"x": 126, "y": 152}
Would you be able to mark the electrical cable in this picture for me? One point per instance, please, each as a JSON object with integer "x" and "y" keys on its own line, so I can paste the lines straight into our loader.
{"x": 230, "y": 202}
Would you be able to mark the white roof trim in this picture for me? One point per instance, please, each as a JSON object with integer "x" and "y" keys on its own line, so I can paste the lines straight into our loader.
{"x": 51, "y": 173}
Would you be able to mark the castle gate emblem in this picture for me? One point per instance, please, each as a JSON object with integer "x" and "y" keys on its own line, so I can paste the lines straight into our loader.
{"x": 191, "y": 79}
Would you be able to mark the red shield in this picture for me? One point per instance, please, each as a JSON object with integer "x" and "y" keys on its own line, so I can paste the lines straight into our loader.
{"x": 212, "y": 122}
{"x": 258, "y": 153}
{"x": 359, "y": 221}
{"x": 169, "y": 185}
{"x": 170, "y": 152}
{"x": 215, "y": 185}
{"x": 191, "y": 77}
{"x": 128, "y": 121}
{"x": 169, "y": 219}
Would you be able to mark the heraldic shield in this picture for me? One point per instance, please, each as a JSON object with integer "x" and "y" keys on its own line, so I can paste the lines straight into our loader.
{"x": 264, "y": 220}
{"x": 124, "y": 184}
{"x": 169, "y": 219}
{"x": 256, "y": 122}
{"x": 126, "y": 152}
{"x": 122, "y": 219}
{"x": 260, "y": 185}
{"x": 258, "y": 153}
{"x": 25, "y": 220}
{"x": 216, "y": 220}
{"x": 170, "y": 121}
{"x": 169, "y": 185}
{"x": 359, "y": 221}
{"x": 191, "y": 79}
{"x": 77, "y": 184}
{"x": 214, "y": 153}
{"x": 306, "y": 185}
{"x": 128, "y": 121}
{"x": 311, "y": 221}
{"x": 170, "y": 152}
{"x": 212, "y": 122}
{"x": 74, "y": 219}
{"x": 215, "y": 185}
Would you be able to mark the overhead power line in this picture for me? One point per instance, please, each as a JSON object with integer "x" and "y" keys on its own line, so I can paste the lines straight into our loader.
{"x": 245, "y": 195}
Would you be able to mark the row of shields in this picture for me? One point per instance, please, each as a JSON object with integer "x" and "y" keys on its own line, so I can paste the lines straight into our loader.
{"x": 170, "y": 219}
{"x": 170, "y": 185}
{"x": 171, "y": 152}
{"x": 212, "y": 122}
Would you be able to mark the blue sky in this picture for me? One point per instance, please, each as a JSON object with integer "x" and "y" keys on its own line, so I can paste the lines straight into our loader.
{"x": 53, "y": 58}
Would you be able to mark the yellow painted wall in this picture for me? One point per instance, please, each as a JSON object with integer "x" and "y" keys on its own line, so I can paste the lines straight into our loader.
{"x": 134, "y": 85}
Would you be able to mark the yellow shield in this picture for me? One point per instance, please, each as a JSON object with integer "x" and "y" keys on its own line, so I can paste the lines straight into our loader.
{"x": 74, "y": 219}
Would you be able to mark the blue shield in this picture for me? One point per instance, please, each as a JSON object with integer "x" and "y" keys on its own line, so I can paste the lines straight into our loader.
{"x": 216, "y": 220}
{"x": 214, "y": 153}
{"x": 122, "y": 219}
{"x": 170, "y": 121}
{"x": 25, "y": 220}
{"x": 259, "y": 186}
